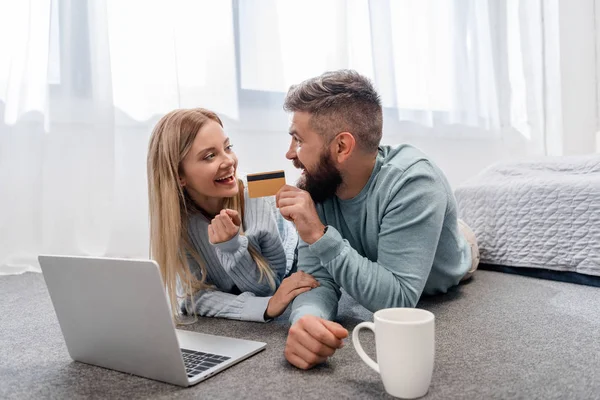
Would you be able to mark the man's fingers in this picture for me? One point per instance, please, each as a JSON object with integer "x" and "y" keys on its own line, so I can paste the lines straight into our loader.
{"x": 339, "y": 331}
{"x": 294, "y": 196}
{"x": 288, "y": 212}
{"x": 288, "y": 201}
{"x": 310, "y": 357}
{"x": 317, "y": 329}
{"x": 295, "y": 360}
{"x": 282, "y": 191}
{"x": 312, "y": 346}
{"x": 289, "y": 189}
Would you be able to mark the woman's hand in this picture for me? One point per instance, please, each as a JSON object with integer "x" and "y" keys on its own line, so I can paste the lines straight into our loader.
{"x": 292, "y": 286}
{"x": 224, "y": 226}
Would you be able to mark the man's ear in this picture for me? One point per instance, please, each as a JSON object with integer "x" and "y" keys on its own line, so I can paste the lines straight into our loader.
{"x": 343, "y": 146}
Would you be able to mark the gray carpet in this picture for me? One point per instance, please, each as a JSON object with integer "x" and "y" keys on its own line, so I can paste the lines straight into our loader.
{"x": 499, "y": 336}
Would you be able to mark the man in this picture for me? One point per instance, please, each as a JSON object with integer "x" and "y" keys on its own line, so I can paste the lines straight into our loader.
{"x": 378, "y": 221}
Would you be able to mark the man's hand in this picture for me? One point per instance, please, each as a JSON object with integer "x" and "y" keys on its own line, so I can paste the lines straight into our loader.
{"x": 311, "y": 340}
{"x": 297, "y": 206}
{"x": 224, "y": 226}
{"x": 295, "y": 284}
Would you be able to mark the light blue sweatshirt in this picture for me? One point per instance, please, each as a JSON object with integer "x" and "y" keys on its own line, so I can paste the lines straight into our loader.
{"x": 397, "y": 239}
{"x": 237, "y": 292}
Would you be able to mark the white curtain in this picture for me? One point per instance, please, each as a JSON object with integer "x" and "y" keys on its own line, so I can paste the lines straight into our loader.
{"x": 83, "y": 82}
{"x": 468, "y": 62}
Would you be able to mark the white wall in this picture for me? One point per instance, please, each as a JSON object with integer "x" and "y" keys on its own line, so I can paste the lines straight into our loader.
{"x": 578, "y": 70}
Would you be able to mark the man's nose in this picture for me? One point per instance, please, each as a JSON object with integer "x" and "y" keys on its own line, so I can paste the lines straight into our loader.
{"x": 291, "y": 153}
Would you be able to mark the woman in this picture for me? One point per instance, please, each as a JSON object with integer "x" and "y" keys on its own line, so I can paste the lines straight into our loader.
{"x": 218, "y": 250}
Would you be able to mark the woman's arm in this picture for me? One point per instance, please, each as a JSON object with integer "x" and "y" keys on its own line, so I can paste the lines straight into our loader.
{"x": 263, "y": 234}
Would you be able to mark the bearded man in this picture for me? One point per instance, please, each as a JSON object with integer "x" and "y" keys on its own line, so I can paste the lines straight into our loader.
{"x": 378, "y": 221}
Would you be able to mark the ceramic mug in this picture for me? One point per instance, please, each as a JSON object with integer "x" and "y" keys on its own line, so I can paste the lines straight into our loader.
{"x": 405, "y": 347}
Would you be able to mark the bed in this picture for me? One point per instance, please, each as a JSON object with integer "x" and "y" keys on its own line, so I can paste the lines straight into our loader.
{"x": 542, "y": 215}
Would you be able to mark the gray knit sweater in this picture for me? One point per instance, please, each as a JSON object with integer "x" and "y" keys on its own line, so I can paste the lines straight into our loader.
{"x": 238, "y": 294}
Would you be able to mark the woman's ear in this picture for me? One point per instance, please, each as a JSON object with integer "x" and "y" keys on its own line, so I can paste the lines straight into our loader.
{"x": 345, "y": 144}
{"x": 181, "y": 181}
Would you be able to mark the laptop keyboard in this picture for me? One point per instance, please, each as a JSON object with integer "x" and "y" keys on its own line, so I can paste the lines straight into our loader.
{"x": 197, "y": 362}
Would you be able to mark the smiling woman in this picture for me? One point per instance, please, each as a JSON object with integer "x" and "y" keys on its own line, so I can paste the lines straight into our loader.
{"x": 219, "y": 251}
{"x": 208, "y": 169}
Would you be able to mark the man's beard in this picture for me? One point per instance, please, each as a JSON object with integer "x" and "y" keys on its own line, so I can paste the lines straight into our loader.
{"x": 323, "y": 183}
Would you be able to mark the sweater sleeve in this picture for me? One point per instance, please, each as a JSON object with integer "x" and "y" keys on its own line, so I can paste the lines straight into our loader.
{"x": 262, "y": 233}
{"x": 214, "y": 303}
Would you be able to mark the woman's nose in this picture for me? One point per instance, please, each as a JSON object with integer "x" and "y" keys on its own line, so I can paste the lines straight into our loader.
{"x": 228, "y": 161}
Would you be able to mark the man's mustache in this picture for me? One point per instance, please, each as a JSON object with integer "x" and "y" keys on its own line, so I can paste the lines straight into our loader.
{"x": 297, "y": 164}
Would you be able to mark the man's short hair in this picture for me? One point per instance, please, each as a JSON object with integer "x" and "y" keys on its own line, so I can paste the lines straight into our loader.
{"x": 340, "y": 101}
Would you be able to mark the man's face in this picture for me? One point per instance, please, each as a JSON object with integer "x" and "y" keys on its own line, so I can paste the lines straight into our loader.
{"x": 308, "y": 152}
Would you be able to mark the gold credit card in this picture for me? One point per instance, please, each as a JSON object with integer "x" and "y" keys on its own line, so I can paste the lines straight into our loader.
{"x": 265, "y": 183}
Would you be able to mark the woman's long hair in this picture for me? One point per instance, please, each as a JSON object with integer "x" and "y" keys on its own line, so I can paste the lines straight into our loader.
{"x": 170, "y": 206}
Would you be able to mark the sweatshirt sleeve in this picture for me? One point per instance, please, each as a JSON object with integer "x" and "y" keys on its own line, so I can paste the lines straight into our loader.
{"x": 321, "y": 301}
{"x": 413, "y": 217}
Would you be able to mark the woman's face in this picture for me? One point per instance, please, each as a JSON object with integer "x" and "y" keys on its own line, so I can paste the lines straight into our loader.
{"x": 208, "y": 169}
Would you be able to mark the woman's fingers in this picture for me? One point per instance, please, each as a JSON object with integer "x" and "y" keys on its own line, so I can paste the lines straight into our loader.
{"x": 228, "y": 223}
{"x": 220, "y": 221}
{"x": 294, "y": 293}
{"x": 304, "y": 279}
{"x": 235, "y": 217}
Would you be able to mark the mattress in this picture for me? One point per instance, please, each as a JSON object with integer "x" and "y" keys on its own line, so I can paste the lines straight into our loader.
{"x": 543, "y": 213}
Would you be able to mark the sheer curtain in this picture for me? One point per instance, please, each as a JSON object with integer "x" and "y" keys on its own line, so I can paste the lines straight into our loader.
{"x": 83, "y": 82}
{"x": 468, "y": 62}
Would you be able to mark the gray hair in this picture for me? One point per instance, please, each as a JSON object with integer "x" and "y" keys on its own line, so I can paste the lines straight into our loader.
{"x": 340, "y": 101}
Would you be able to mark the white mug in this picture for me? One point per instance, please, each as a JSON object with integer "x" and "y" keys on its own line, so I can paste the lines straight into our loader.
{"x": 405, "y": 346}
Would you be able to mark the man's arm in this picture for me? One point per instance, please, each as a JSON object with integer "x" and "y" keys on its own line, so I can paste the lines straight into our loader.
{"x": 408, "y": 239}
{"x": 321, "y": 301}
{"x": 312, "y": 338}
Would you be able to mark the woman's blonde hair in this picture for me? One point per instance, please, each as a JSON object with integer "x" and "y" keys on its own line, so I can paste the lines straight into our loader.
{"x": 170, "y": 205}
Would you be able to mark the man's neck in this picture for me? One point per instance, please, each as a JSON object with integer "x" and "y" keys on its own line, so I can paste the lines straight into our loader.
{"x": 356, "y": 176}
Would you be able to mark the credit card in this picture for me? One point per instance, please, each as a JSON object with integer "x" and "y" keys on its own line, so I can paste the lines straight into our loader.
{"x": 265, "y": 183}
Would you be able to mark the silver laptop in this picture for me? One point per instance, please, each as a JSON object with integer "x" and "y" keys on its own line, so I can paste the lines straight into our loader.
{"x": 114, "y": 313}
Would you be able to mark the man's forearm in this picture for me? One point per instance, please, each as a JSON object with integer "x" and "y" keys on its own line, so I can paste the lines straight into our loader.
{"x": 321, "y": 302}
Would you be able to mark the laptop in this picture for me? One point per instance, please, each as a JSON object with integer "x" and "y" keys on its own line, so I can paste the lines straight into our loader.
{"x": 114, "y": 313}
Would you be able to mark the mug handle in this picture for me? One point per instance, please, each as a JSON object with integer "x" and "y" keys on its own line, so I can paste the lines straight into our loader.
{"x": 358, "y": 347}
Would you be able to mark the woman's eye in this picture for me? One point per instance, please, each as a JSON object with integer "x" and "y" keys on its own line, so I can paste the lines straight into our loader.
{"x": 209, "y": 156}
{"x": 228, "y": 148}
